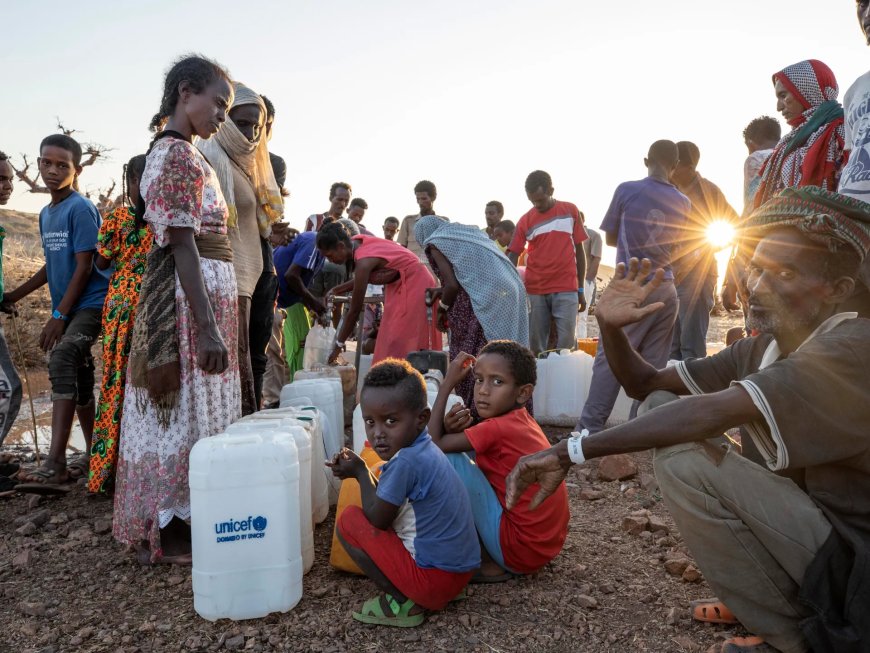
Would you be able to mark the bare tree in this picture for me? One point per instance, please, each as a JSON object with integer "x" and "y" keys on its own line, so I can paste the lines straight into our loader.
{"x": 92, "y": 152}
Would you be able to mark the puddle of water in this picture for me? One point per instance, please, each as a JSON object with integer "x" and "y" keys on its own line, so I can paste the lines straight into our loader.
{"x": 43, "y": 438}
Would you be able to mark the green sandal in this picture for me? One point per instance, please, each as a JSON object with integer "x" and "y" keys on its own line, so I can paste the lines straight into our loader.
{"x": 373, "y": 613}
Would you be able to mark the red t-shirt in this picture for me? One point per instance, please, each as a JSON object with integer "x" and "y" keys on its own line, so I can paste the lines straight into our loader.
{"x": 529, "y": 540}
{"x": 552, "y": 237}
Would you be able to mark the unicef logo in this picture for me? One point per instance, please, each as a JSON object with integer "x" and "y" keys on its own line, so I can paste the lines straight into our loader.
{"x": 252, "y": 528}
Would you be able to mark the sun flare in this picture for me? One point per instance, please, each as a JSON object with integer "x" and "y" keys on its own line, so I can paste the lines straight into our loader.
{"x": 720, "y": 234}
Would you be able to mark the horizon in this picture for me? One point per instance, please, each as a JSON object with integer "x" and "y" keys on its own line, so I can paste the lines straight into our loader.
{"x": 496, "y": 82}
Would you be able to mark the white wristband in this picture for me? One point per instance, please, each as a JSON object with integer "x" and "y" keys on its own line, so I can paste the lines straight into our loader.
{"x": 575, "y": 447}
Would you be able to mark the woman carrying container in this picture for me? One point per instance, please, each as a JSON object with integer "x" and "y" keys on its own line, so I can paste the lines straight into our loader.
{"x": 404, "y": 326}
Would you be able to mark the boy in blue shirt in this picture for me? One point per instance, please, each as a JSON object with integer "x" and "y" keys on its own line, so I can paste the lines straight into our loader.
{"x": 68, "y": 227}
{"x": 414, "y": 535}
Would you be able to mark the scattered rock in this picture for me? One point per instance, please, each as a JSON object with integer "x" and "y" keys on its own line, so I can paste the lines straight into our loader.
{"x": 23, "y": 559}
{"x": 676, "y": 566}
{"x": 579, "y": 570}
{"x": 606, "y": 588}
{"x": 585, "y": 601}
{"x": 646, "y": 536}
{"x": 28, "y": 529}
{"x": 630, "y": 493}
{"x": 671, "y": 618}
{"x": 29, "y": 629}
{"x": 635, "y": 524}
{"x": 657, "y": 524}
{"x": 234, "y": 643}
{"x": 33, "y": 609}
{"x": 102, "y": 526}
{"x": 617, "y": 468}
{"x": 59, "y": 518}
{"x": 33, "y": 501}
{"x": 691, "y": 574}
{"x": 588, "y": 494}
{"x": 345, "y": 591}
{"x": 81, "y": 533}
{"x": 175, "y": 580}
{"x": 320, "y": 592}
{"x": 648, "y": 482}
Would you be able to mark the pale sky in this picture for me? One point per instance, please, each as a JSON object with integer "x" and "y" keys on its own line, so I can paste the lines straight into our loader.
{"x": 471, "y": 95}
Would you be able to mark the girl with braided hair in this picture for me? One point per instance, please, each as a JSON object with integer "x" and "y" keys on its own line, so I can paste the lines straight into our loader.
{"x": 125, "y": 242}
{"x": 183, "y": 373}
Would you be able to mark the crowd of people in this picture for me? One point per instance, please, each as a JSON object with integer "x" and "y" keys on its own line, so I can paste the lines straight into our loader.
{"x": 202, "y": 297}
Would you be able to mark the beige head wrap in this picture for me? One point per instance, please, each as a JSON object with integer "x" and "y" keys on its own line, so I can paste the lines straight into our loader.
{"x": 229, "y": 144}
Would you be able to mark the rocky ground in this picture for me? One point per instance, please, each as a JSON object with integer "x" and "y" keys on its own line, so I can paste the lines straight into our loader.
{"x": 623, "y": 583}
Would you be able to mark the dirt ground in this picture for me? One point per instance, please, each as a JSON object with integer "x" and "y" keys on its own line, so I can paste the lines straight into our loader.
{"x": 68, "y": 586}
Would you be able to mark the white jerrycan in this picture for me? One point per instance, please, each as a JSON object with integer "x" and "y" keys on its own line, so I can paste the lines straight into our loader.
{"x": 289, "y": 424}
{"x": 326, "y": 395}
{"x": 244, "y": 502}
{"x": 324, "y": 487}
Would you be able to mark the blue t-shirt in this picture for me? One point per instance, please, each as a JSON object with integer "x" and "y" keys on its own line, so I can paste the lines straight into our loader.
{"x": 304, "y": 253}
{"x": 67, "y": 229}
{"x": 434, "y": 521}
{"x": 648, "y": 217}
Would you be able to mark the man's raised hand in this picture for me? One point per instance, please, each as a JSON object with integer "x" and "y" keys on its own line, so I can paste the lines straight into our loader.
{"x": 622, "y": 302}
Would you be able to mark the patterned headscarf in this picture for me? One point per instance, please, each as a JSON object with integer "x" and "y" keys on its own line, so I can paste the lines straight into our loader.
{"x": 229, "y": 144}
{"x": 811, "y": 154}
{"x": 823, "y": 216}
{"x": 490, "y": 279}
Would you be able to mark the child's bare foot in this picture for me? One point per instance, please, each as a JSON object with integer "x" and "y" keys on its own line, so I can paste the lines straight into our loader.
{"x": 491, "y": 572}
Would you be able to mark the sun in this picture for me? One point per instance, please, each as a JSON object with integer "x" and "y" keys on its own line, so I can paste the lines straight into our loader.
{"x": 720, "y": 234}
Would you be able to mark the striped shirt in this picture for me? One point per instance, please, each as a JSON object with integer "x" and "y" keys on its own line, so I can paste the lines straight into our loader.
{"x": 552, "y": 237}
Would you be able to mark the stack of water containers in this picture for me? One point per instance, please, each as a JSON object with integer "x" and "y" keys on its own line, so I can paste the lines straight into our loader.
{"x": 562, "y": 387}
{"x": 255, "y": 492}
{"x": 564, "y": 379}
{"x": 326, "y": 395}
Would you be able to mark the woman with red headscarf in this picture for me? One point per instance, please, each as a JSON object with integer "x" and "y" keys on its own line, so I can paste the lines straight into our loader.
{"x": 811, "y": 154}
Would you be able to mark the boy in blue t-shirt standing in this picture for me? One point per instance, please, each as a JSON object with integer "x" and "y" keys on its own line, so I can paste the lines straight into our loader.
{"x": 68, "y": 227}
{"x": 414, "y": 535}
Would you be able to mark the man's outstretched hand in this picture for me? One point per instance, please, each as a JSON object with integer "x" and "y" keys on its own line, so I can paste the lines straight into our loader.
{"x": 547, "y": 468}
{"x": 621, "y": 303}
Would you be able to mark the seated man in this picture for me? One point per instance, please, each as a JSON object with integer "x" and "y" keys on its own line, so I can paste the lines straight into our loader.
{"x": 789, "y": 558}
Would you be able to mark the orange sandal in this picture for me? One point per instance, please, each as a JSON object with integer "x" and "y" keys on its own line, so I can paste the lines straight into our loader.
{"x": 712, "y": 611}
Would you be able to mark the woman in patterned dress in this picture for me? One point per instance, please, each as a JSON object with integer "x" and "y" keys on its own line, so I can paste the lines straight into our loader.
{"x": 125, "y": 242}
{"x": 183, "y": 374}
{"x": 482, "y": 296}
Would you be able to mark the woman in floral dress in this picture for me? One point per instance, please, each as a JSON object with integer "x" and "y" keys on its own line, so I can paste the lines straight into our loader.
{"x": 125, "y": 242}
{"x": 183, "y": 376}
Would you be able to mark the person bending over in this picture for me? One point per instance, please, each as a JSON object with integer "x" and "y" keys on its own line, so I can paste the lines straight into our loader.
{"x": 414, "y": 534}
{"x": 519, "y": 541}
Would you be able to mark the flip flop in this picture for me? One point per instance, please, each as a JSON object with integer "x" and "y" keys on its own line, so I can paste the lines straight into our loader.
{"x": 43, "y": 485}
{"x": 373, "y": 613}
{"x": 481, "y": 579}
{"x": 712, "y": 611}
{"x": 79, "y": 466}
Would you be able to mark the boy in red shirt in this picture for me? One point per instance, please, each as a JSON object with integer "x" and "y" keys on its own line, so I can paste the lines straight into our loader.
{"x": 556, "y": 266}
{"x": 519, "y": 541}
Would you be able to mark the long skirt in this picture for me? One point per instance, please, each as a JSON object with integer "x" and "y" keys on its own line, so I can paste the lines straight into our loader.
{"x": 152, "y": 476}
